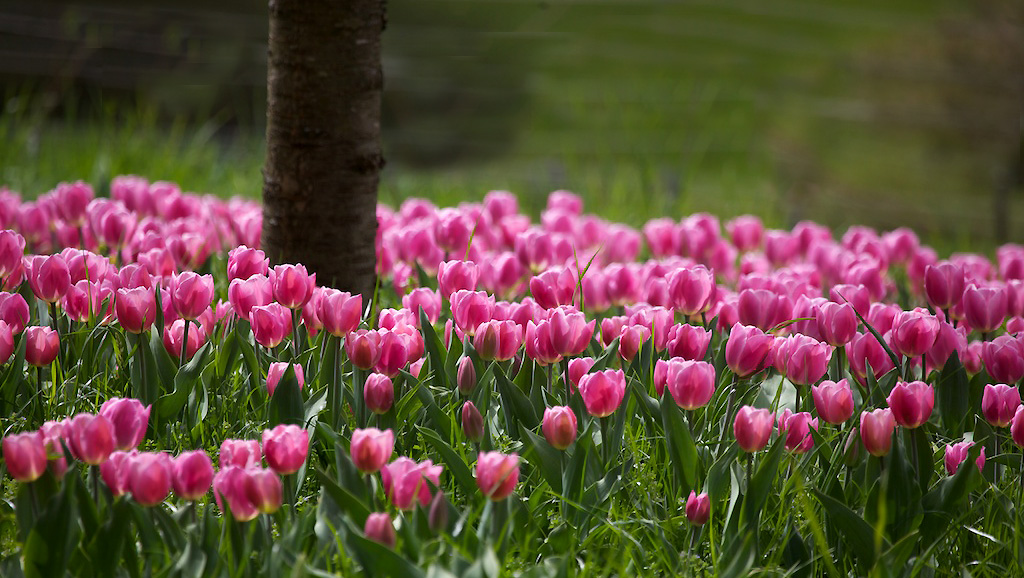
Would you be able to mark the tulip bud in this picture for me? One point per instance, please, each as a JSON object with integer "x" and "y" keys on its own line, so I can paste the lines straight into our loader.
{"x": 363, "y": 348}
{"x": 465, "y": 377}
{"x": 371, "y": 449}
{"x": 379, "y": 528}
{"x": 797, "y": 428}
{"x": 149, "y": 477}
{"x": 472, "y": 422}
{"x": 379, "y": 393}
{"x": 911, "y": 403}
{"x": 1017, "y": 427}
{"x": 999, "y": 403}
{"x": 285, "y": 448}
{"x": 497, "y": 474}
{"x": 264, "y": 490}
{"x": 292, "y": 285}
{"x": 191, "y": 294}
{"x": 833, "y": 400}
{"x": 193, "y": 474}
{"x": 437, "y": 518}
{"x": 602, "y": 391}
{"x": 270, "y": 324}
{"x": 957, "y": 453}
{"x": 559, "y": 426}
{"x": 752, "y": 428}
{"x": 135, "y": 309}
{"x": 115, "y": 472}
{"x": 876, "y": 429}
{"x": 698, "y": 508}
{"x": 406, "y": 482}
{"x": 41, "y": 345}
{"x": 747, "y": 349}
{"x": 276, "y": 371}
{"x": 25, "y": 456}
{"x": 91, "y": 438}
{"x": 130, "y": 420}
{"x": 244, "y": 262}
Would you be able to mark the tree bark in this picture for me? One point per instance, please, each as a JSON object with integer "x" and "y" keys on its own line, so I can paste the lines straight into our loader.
{"x": 323, "y": 159}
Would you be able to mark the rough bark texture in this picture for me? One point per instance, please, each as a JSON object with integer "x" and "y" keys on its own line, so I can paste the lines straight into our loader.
{"x": 323, "y": 138}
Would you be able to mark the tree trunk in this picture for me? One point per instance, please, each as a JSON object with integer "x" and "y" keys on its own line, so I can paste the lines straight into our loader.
{"x": 323, "y": 138}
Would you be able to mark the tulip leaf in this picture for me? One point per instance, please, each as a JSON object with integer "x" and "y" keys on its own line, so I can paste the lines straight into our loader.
{"x": 719, "y": 475}
{"x": 855, "y": 530}
{"x": 679, "y": 441}
{"x": 434, "y": 348}
{"x": 51, "y": 540}
{"x": 345, "y": 500}
{"x": 453, "y": 461}
{"x": 377, "y": 559}
{"x": 606, "y": 357}
{"x": 942, "y": 502}
{"x": 515, "y": 403}
{"x": 439, "y": 418}
{"x": 951, "y": 396}
{"x": 548, "y": 459}
{"x": 169, "y": 405}
{"x": 878, "y": 336}
{"x": 761, "y": 483}
{"x": 286, "y": 405}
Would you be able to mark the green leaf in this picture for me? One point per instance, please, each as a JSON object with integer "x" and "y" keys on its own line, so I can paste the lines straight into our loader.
{"x": 441, "y": 420}
{"x": 51, "y": 540}
{"x": 548, "y": 459}
{"x": 171, "y": 404}
{"x": 951, "y": 396}
{"x": 377, "y": 559}
{"x": 855, "y": 530}
{"x": 453, "y": 462}
{"x": 679, "y": 441}
{"x": 878, "y": 336}
{"x": 345, "y": 500}
{"x": 514, "y": 401}
{"x": 717, "y": 484}
{"x": 286, "y": 404}
{"x": 436, "y": 353}
{"x": 761, "y": 483}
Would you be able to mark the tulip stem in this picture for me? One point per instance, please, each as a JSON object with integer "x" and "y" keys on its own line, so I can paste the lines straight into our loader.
{"x": 184, "y": 345}
{"x": 995, "y": 454}
{"x": 913, "y": 451}
{"x": 750, "y": 468}
{"x": 565, "y": 376}
{"x": 295, "y": 334}
{"x": 728, "y": 410}
{"x": 333, "y": 388}
{"x": 924, "y": 368}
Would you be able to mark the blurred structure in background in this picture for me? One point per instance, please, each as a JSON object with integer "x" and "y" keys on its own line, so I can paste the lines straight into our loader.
{"x": 876, "y": 112}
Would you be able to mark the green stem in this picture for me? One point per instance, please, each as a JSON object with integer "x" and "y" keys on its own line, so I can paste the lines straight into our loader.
{"x": 728, "y": 411}
{"x": 296, "y": 316}
{"x": 334, "y": 387}
{"x": 183, "y": 354}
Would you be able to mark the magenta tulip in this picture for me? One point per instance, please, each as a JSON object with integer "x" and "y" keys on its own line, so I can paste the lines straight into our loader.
{"x": 270, "y": 324}
{"x": 752, "y": 428}
{"x": 833, "y": 400}
{"x": 497, "y": 340}
{"x": 746, "y": 351}
{"x": 149, "y": 477}
{"x": 914, "y": 332}
{"x": 340, "y": 311}
{"x": 688, "y": 341}
{"x": 470, "y": 309}
{"x": 406, "y": 482}
{"x": 698, "y": 508}
{"x": 999, "y": 403}
{"x": 379, "y": 393}
{"x": 472, "y": 422}
{"x": 602, "y": 391}
{"x": 837, "y": 323}
{"x": 691, "y": 383}
{"x": 41, "y": 345}
{"x": 90, "y": 438}
{"x": 985, "y": 308}
{"x": 240, "y": 453}
{"x": 371, "y": 448}
{"x": 292, "y": 285}
{"x": 130, "y": 420}
{"x": 876, "y": 429}
{"x": 455, "y": 276}
{"x": 956, "y": 454}
{"x": 380, "y": 529}
{"x": 244, "y": 262}
{"x": 559, "y": 426}
{"x": 797, "y": 429}
{"x": 1017, "y": 427}
{"x": 911, "y": 403}
{"x": 691, "y": 289}
{"x": 1003, "y": 358}
{"x": 25, "y": 456}
{"x": 232, "y": 485}
{"x": 944, "y": 284}
{"x": 49, "y": 277}
{"x": 193, "y": 474}
{"x": 135, "y": 309}
{"x": 497, "y": 474}
{"x": 191, "y": 294}
{"x": 276, "y": 371}
{"x": 175, "y": 333}
{"x": 285, "y": 447}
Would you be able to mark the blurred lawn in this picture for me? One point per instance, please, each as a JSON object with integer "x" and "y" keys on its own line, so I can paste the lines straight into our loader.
{"x": 646, "y": 108}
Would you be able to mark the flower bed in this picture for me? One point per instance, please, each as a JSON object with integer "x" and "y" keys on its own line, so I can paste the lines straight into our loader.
{"x": 569, "y": 397}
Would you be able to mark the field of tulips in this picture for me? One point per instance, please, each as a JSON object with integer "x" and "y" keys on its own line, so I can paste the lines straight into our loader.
{"x": 568, "y": 397}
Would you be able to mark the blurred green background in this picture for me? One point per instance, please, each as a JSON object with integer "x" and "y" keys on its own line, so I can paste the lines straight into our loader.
{"x": 876, "y": 112}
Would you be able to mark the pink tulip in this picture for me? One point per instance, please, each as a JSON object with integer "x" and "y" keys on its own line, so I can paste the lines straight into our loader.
{"x": 470, "y": 309}
{"x": 340, "y": 311}
{"x": 292, "y": 285}
{"x": 559, "y": 426}
{"x": 746, "y": 232}
{"x": 264, "y": 489}
{"x": 191, "y": 294}
{"x": 193, "y": 474}
{"x": 803, "y": 360}
{"x": 455, "y": 276}
{"x": 175, "y": 333}
{"x": 244, "y": 262}
{"x": 406, "y": 481}
{"x": 985, "y": 308}
{"x": 752, "y": 428}
{"x": 864, "y": 349}
{"x": 244, "y": 294}
{"x": 465, "y": 375}
{"x": 797, "y": 429}
{"x": 12, "y": 250}
{"x": 956, "y": 454}
{"x": 25, "y": 456}
{"x": 837, "y": 323}
{"x": 688, "y": 341}
{"x": 602, "y": 391}
{"x": 14, "y": 311}
{"x": 41, "y": 345}
{"x": 149, "y": 477}
{"x": 371, "y": 449}
{"x": 497, "y": 474}
{"x": 631, "y": 338}
{"x": 578, "y": 367}
{"x": 472, "y": 422}
{"x": 538, "y": 343}
{"x": 130, "y": 420}
{"x": 395, "y": 353}
{"x": 914, "y": 332}
{"x": 363, "y": 348}
{"x": 856, "y": 295}
{"x": 49, "y": 277}
{"x": 240, "y": 453}
{"x": 944, "y": 284}
{"x": 497, "y": 340}
{"x": 116, "y": 470}
{"x": 698, "y": 508}
{"x": 911, "y": 403}
{"x": 746, "y": 351}
{"x": 691, "y": 383}
{"x": 1004, "y": 359}
{"x": 553, "y": 288}
{"x": 90, "y": 438}
{"x": 135, "y": 309}
{"x": 379, "y": 393}
{"x": 85, "y": 299}
{"x": 270, "y": 324}
{"x": 611, "y": 327}
{"x": 1017, "y": 427}
{"x": 424, "y": 299}
{"x": 833, "y": 401}
{"x": 285, "y": 448}
{"x": 276, "y": 371}
{"x": 948, "y": 340}
{"x": 380, "y": 529}
{"x": 876, "y": 429}
{"x": 763, "y": 308}
{"x": 6, "y": 343}
{"x": 232, "y": 484}
{"x": 570, "y": 332}
{"x": 999, "y": 403}
{"x": 691, "y": 289}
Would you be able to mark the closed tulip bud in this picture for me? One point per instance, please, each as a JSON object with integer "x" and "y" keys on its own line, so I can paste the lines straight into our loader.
{"x": 379, "y": 393}
{"x": 149, "y": 477}
{"x": 406, "y": 482}
{"x": 914, "y": 332}
{"x": 691, "y": 289}
{"x": 371, "y": 448}
{"x": 244, "y": 294}
{"x": 698, "y": 508}
{"x": 41, "y": 345}
{"x": 999, "y": 403}
{"x": 437, "y": 518}
{"x": 956, "y": 454}
{"x": 276, "y": 372}
{"x": 752, "y": 428}
{"x": 292, "y": 285}
{"x": 631, "y": 337}
{"x": 797, "y": 429}
{"x": 240, "y": 453}
{"x": 130, "y": 420}
{"x": 191, "y": 294}
{"x": 578, "y": 367}
{"x": 876, "y": 429}
{"x": 340, "y": 311}
{"x": 91, "y": 438}
{"x": 1017, "y": 426}
{"x": 135, "y": 309}
{"x": 851, "y": 452}
{"x": 691, "y": 383}
{"x": 472, "y": 422}
{"x": 985, "y": 308}
{"x": 193, "y": 474}
{"x": 602, "y": 391}
{"x": 455, "y": 276}
{"x": 270, "y": 324}
{"x": 25, "y": 456}
{"x": 746, "y": 351}
{"x": 803, "y": 359}
{"x": 837, "y": 323}
{"x": 911, "y": 403}
{"x": 497, "y": 340}
{"x": 264, "y": 489}
{"x": 14, "y": 311}
{"x": 1004, "y": 358}
{"x": 285, "y": 448}
{"x": 231, "y": 484}
{"x": 379, "y": 528}
{"x": 470, "y": 309}
{"x": 49, "y": 277}
{"x": 833, "y": 400}
{"x": 559, "y": 426}
{"x": 688, "y": 341}
{"x": 497, "y": 474}
{"x": 244, "y": 262}
{"x": 363, "y": 348}
{"x": 465, "y": 377}
{"x": 944, "y": 284}
{"x": 116, "y": 472}
{"x": 175, "y": 333}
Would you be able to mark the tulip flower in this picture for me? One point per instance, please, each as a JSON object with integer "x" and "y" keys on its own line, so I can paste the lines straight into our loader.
{"x": 569, "y": 331}
{"x": 836, "y": 323}
{"x": 340, "y": 311}
{"x": 578, "y": 367}
{"x": 1003, "y": 358}
{"x": 691, "y": 383}
{"x": 270, "y": 324}
{"x": 244, "y": 294}
{"x": 49, "y": 277}
{"x": 698, "y": 508}
{"x": 12, "y": 249}
{"x": 424, "y": 299}
{"x": 14, "y": 311}
{"x": 911, "y": 403}
{"x": 746, "y": 351}
{"x": 1017, "y": 426}
{"x": 497, "y": 474}
{"x": 371, "y": 449}
{"x": 985, "y": 308}
{"x": 232, "y": 484}
{"x": 864, "y": 349}
{"x": 149, "y": 477}
{"x": 470, "y": 309}
{"x": 553, "y": 288}
{"x": 763, "y": 308}
{"x": 175, "y": 333}
{"x": 394, "y": 352}
{"x": 538, "y": 343}
{"x": 244, "y": 262}
{"x": 6, "y": 342}
{"x": 455, "y": 276}
{"x": 752, "y": 428}
{"x": 130, "y": 420}
{"x": 406, "y": 481}
{"x": 240, "y": 453}
{"x": 363, "y": 348}
{"x": 497, "y": 340}
{"x": 135, "y": 309}
{"x": 379, "y": 393}
{"x": 999, "y": 403}
{"x": 41, "y": 345}
{"x": 797, "y": 429}
{"x": 956, "y": 454}
{"x": 691, "y": 289}
{"x": 688, "y": 341}
{"x": 379, "y": 528}
{"x": 116, "y": 470}
{"x": 192, "y": 475}
{"x": 191, "y": 294}
{"x": 803, "y": 360}
{"x": 472, "y": 422}
{"x": 602, "y": 391}
{"x": 90, "y": 438}
{"x": 276, "y": 371}
{"x": 25, "y": 456}
{"x": 876, "y": 429}
{"x": 285, "y": 448}
{"x": 833, "y": 400}
{"x": 559, "y": 426}
{"x": 944, "y": 284}
{"x": 914, "y": 332}
{"x": 292, "y": 285}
